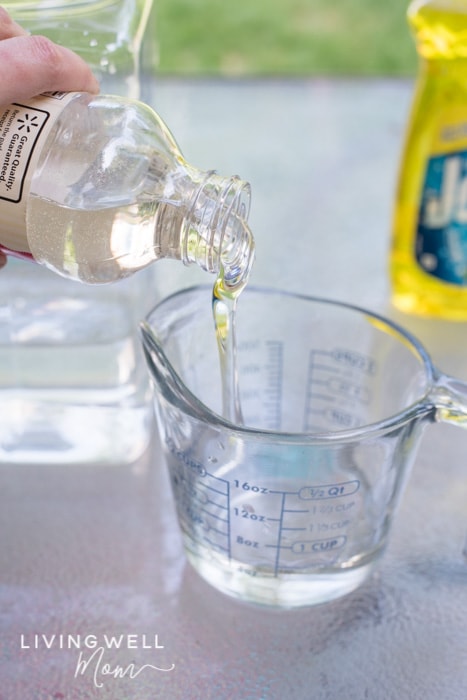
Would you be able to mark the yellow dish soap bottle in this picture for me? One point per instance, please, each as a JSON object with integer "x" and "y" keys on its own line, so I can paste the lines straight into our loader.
{"x": 429, "y": 248}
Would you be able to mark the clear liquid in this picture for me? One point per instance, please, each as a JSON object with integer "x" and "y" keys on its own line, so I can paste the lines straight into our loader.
{"x": 233, "y": 277}
{"x": 286, "y": 590}
{"x": 255, "y": 578}
{"x": 224, "y": 312}
{"x": 224, "y": 308}
{"x": 94, "y": 246}
{"x": 281, "y": 568}
{"x": 74, "y": 383}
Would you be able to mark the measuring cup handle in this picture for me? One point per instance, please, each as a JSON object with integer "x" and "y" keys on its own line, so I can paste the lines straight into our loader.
{"x": 450, "y": 400}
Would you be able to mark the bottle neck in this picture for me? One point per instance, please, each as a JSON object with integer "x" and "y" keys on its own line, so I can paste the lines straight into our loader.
{"x": 214, "y": 231}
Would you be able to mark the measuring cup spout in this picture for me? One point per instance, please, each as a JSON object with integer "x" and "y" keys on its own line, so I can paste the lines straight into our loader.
{"x": 161, "y": 371}
{"x": 449, "y": 396}
{"x": 155, "y": 357}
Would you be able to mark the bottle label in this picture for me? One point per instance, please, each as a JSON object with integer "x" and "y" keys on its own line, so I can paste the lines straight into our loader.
{"x": 24, "y": 128}
{"x": 441, "y": 240}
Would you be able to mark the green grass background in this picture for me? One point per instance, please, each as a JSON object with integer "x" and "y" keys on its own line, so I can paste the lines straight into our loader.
{"x": 284, "y": 37}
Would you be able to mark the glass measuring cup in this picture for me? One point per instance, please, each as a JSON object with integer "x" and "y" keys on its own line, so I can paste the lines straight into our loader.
{"x": 294, "y": 507}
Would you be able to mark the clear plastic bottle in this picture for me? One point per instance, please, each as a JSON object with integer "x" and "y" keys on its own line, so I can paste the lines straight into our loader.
{"x": 73, "y": 381}
{"x": 429, "y": 248}
{"x": 95, "y": 188}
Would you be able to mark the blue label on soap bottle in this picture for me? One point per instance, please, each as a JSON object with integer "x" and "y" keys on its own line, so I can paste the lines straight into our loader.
{"x": 441, "y": 242}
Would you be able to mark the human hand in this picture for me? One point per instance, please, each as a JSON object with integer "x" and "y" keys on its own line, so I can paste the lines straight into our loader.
{"x": 34, "y": 64}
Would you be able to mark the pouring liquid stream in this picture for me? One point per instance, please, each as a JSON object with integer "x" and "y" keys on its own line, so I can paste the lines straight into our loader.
{"x": 224, "y": 309}
{"x": 232, "y": 278}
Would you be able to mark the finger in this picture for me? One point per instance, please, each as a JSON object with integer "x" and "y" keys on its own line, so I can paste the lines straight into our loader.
{"x": 36, "y": 65}
{"x": 8, "y": 27}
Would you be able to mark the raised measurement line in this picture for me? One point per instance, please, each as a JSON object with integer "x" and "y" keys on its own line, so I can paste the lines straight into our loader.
{"x": 294, "y": 529}
{"x": 273, "y": 390}
{"x": 328, "y": 368}
{"x": 212, "y": 515}
{"x": 215, "y": 503}
{"x": 323, "y": 397}
{"x": 309, "y": 391}
{"x": 211, "y": 488}
{"x": 279, "y": 535}
{"x": 296, "y": 510}
{"x": 229, "y": 524}
{"x": 205, "y": 491}
{"x": 216, "y": 544}
{"x": 219, "y": 532}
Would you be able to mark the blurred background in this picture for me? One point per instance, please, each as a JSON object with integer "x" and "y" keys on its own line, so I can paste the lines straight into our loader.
{"x": 284, "y": 37}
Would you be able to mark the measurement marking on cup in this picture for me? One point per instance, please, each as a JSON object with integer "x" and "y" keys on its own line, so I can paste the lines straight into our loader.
{"x": 216, "y": 545}
{"x": 204, "y": 500}
{"x": 243, "y": 520}
{"x": 214, "y": 503}
{"x": 315, "y": 549}
{"x": 337, "y": 388}
{"x": 311, "y": 396}
{"x": 295, "y": 510}
{"x": 214, "y": 515}
{"x": 214, "y": 529}
{"x": 326, "y": 368}
{"x": 325, "y": 491}
{"x": 312, "y": 546}
{"x": 281, "y": 525}
{"x": 210, "y": 488}
{"x": 273, "y": 394}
